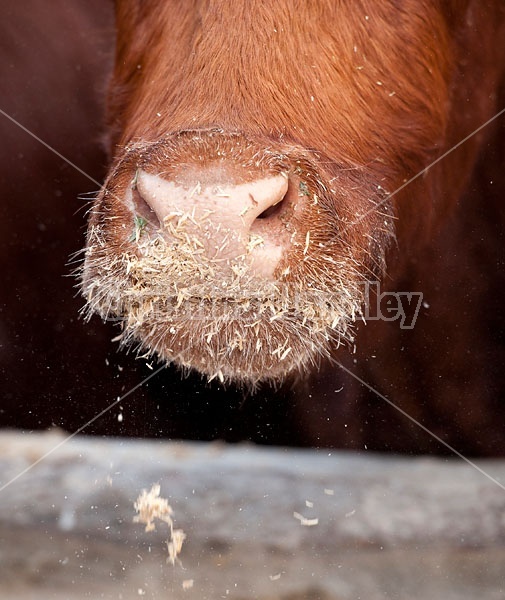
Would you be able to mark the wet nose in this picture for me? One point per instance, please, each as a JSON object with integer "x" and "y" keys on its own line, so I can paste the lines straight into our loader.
{"x": 247, "y": 215}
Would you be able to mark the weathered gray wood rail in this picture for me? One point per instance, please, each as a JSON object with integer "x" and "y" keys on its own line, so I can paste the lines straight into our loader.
{"x": 261, "y": 523}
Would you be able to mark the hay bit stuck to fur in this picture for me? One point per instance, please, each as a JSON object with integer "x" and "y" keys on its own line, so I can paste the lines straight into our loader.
{"x": 150, "y": 506}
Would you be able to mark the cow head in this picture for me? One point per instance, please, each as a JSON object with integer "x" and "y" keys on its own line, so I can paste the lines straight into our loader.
{"x": 255, "y": 147}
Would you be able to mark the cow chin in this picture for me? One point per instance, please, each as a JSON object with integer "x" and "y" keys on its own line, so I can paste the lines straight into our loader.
{"x": 259, "y": 330}
{"x": 245, "y": 273}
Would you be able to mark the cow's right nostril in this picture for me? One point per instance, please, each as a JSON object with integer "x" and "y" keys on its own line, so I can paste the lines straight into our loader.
{"x": 273, "y": 210}
{"x": 141, "y": 208}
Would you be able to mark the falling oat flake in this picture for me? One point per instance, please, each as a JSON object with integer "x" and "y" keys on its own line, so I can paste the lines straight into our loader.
{"x": 150, "y": 506}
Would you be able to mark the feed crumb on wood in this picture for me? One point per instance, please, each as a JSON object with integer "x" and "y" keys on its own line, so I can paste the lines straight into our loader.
{"x": 304, "y": 521}
{"x": 150, "y": 506}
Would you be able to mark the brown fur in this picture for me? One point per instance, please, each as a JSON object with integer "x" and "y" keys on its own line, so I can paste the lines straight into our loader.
{"x": 331, "y": 76}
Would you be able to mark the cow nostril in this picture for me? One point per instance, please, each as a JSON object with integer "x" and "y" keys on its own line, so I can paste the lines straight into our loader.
{"x": 141, "y": 208}
{"x": 272, "y": 211}
{"x": 286, "y": 201}
{"x": 277, "y": 208}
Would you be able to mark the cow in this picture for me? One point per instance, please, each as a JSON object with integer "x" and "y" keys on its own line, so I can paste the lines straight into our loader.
{"x": 287, "y": 181}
